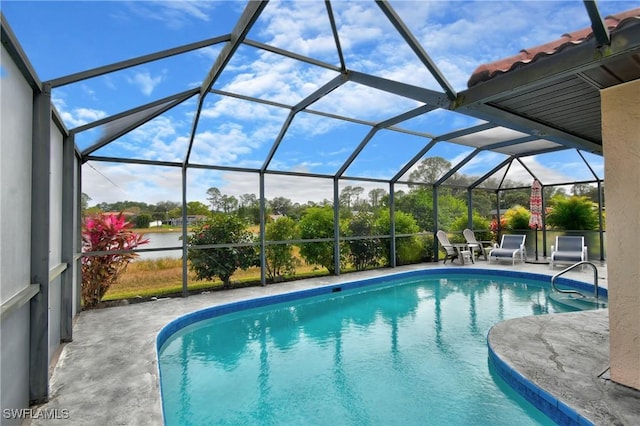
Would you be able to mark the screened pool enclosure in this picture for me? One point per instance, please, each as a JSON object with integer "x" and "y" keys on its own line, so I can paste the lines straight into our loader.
{"x": 310, "y": 112}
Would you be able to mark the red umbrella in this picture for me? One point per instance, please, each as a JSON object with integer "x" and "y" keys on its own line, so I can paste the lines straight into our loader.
{"x": 535, "y": 205}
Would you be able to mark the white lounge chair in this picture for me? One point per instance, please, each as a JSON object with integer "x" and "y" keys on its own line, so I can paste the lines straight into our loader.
{"x": 481, "y": 247}
{"x": 568, "y": 250}
{"x": 511, "y": 247}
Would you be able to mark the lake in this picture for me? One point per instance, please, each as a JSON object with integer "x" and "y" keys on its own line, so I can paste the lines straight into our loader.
{"x": 159, "y": 240}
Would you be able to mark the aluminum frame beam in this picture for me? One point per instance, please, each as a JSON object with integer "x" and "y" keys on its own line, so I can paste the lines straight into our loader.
{"x": 10, "y": 42}
{"x": 68, "y": 246}
{"x": 457, "y": 167}
{"x": 164, "y": 105}
{"x": 465, "y": 132}
{"x": 409, "y": 91}
{"x": 182, "y": 95}
{"x": 313, "y": 97}
{"x": 413, "y": 161}
{"x": 336, "y": 36}
{"x": 600, "y": 30}
{"x": 382, "y": 125}
{"x": 249, "y": 16}
{"x": 118, "y": 66}
{"x": 417, "y": 48}
{"x": 491, "y": 172}
{"x": 292, "y": 55}
{"x": 39, "y": 269}
{"x": 442, "y": 138}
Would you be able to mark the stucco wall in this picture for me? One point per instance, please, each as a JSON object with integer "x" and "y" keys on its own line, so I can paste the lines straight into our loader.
{"x": 16, "y": 103}
{"x": 621, "y": 144}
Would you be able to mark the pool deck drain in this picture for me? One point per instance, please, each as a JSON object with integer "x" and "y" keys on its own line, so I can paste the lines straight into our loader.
{"x": 108, "y": 375}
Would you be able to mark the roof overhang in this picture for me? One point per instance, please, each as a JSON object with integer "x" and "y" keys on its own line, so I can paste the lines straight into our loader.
{"x": 556, "y": 94}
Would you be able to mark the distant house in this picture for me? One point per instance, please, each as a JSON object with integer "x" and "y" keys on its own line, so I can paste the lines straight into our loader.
{"x": 191, "y": 219}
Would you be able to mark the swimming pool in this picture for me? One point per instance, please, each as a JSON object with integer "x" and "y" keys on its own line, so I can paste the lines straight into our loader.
{"x": 407, "y": 349}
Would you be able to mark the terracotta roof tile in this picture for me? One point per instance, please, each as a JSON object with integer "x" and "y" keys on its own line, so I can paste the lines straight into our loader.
{"x": 488, "y": 71}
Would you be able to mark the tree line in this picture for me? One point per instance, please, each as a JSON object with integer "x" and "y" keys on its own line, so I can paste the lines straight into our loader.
{"x": 416, "y": 200}
{"x": 365, "y": 223}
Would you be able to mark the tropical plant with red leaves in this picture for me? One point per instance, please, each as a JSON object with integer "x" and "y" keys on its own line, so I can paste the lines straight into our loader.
{"x": 105, "y": 233}
{"x": 495, "y": 229}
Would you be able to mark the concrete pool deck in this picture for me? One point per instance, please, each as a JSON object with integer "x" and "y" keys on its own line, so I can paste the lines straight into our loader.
{"x": 108, "y": 375}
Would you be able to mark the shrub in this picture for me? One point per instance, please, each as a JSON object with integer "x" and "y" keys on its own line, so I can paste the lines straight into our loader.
{"x": 517, "y": 218}
{"x": 280, "y": 260}
{"x": 427, "y": 243}
{"x": 364, "y": 253}
{"x": 142, "y": 221}
{"x": 104, "y": 233}
{"x": 573, "y": 213}
{"x": 317, "y": 222}
{"x": 450, "y": 207}
{"x": 221, "y": 262}
{"x": 480, "y": 226}
{"x": 409, "y": 249}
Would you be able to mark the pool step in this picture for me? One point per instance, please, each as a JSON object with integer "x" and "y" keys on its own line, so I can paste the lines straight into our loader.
{"x": 578, "y": 301}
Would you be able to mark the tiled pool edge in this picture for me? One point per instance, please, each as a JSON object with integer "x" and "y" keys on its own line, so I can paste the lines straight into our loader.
{"x": 551, "y": 406}
{"x": 541, "y": 395}
{"x": 206, "y": 313}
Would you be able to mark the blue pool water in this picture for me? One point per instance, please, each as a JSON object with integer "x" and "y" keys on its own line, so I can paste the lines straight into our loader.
{"x": 405, "y": 351}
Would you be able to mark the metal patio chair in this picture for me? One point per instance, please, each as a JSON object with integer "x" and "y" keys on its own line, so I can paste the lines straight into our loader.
{"x": 511, "y": 247}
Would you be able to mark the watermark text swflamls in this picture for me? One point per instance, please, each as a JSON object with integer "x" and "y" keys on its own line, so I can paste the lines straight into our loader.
{"x": 36, "y": 413}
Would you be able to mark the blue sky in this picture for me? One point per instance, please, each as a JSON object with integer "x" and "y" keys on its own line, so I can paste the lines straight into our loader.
{"x": 62, "y": 38}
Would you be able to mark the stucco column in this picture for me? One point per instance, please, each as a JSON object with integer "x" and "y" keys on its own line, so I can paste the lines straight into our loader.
{"x": 621, "y": 146}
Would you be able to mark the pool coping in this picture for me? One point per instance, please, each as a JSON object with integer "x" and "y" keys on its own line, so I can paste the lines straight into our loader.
{"x": 551, "y": 406}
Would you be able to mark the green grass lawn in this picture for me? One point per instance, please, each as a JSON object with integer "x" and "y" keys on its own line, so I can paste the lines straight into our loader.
{"x": 163, "y": 277}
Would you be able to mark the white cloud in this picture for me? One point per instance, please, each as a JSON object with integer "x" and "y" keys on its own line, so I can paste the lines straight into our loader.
{"x": 231, "y": 130}
{"x": 156, "y": 140}
{"x": 88, "y": 91}
{"x": 221, "y": 148}
{"x": 74, "y": 117}
{"x": 301, "y": 27}
{"x": 460, "y": 39}
{"x": 108, "y": 182}
{"x": 174, "y": 14}
{"x": 363, "y": 102}
{"x": 298, "y": 189}
{"x": 558, "y": 167}
{"x": 273, "y": 77}
{"x": 145, "y": 82}
{"x": 78, "y": 116}
{"x": 360, "y": 23}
